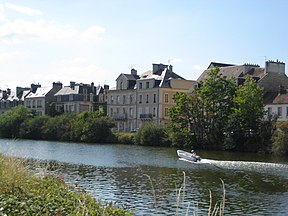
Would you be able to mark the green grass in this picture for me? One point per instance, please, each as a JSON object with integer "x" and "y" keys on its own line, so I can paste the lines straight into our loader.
{"x": 23, "y": 194}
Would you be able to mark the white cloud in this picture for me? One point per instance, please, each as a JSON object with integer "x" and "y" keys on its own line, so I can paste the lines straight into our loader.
{"x": 24, "y": 10}
{"x": 8, "y": 56}
{"x": 175, "y": 61}
{"x": 92, "y": 34}
{"x": 199, "y": 67}
{"x": 21, "y": 31}
{"x": 2, "y": 15}
{"x": 78, "y": 70}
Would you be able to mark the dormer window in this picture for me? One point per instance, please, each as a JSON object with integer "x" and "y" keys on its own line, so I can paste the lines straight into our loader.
{"x": 140, "y": 85}
{"x": 147, "y": 85}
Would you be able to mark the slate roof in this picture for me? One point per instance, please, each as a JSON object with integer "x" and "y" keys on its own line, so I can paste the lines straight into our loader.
{"x": 40, "y": 92}
{"x": 67, "y": 90}
{"x": 218, "y": 64}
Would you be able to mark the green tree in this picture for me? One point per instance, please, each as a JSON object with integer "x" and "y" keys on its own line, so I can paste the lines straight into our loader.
{"x": 92, "y": 127}
{"x": 150, "y": 135}
{"x": 202, "y": 115}
{"x": 217, "y": 93}
{"x": 10, "y": 121}
{"x": 58, "y": 127}
{"x": 32, "y": 128}
{"x": 246, "y": 123}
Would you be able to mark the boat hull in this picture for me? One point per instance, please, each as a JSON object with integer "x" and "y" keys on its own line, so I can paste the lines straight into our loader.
{"x": 188, "y": 156}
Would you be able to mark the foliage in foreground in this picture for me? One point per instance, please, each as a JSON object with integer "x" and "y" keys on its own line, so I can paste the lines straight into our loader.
{"x": 22, "y": 194}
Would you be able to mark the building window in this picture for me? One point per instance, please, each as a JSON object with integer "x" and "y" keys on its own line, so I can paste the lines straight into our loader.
{"x": 140, "y": 85}
{"x": 124, "y": 99}
{"x": 269, "y": 111}
{"x": 147, "y": 98}
{"x": 140, "y": 99}
{"x": 166, "y": 98}
{"x": 147, "y": 85}
{"x": 154, "y": 98}
{"x": 131, "y": 99}
{"x": 112, "y": 99}
{"x": 71, "y": 97}
{"x": 286, "y": 111}
{"x": 166, "y": 112}
{"x": 131, "y": 112}
{"x": 154, "y": 111}
{"x": 111, "y": 112}
{"x": 279, "y": 111}
{"x": 33, "y": 104}
{"x": 118, "y": 99}
{"x": 39, "y": 103}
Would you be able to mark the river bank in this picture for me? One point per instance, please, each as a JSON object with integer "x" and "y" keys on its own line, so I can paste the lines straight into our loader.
{"x": 24, "y": 194}
{"x": 255, "y": 183}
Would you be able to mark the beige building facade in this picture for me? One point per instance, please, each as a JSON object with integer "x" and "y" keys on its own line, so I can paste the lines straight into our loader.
{"x": 138, "y": 100}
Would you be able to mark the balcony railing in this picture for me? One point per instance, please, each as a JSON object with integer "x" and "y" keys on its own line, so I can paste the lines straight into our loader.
{"x": 146, "y": 117}
{"x": 120, "y": 117}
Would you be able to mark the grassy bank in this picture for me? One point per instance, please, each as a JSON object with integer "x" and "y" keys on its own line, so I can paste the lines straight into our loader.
{"x": 23, "y": 194}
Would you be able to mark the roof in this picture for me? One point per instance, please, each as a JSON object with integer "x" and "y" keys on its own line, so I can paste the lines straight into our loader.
{"x": 67, "y": 90}
{"x": 236, "y": 71}
{"x": 217, "y": 64}
{"x": 40, "y": 92}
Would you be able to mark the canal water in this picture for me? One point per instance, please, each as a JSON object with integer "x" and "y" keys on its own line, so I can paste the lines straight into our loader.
{"x": 153, "y": 181}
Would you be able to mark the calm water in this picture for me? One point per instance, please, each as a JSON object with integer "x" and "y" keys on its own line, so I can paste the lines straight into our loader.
{"x": 146, "y": 180}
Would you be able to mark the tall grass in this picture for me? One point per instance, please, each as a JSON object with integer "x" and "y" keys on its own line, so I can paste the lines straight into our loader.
{"x": 216, "y": 210}
{"x": 23, "y": 194}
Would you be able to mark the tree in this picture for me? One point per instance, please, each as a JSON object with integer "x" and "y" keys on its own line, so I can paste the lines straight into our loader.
{"x": 150, "y": 135}
{"x": 205, "y": 112}
{"x": 32, "y": 128}
{"x": 92, "y": 127}
{"x": 246, "y": 123}
{"x": 217, "y": 93}
{"x": 10, "y": 121}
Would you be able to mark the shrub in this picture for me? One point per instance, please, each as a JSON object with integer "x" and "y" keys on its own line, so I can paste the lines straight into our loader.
{"x": 150, "y": 135}
{"x": 125, "y": 138}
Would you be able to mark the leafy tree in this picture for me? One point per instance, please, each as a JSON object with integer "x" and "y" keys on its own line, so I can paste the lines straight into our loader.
{"x": 92, "y": 127}
{"x": 150, "y": 135}
{"x": 246, "y": 121}
{"x": 217, "y": 93}
{"x": 58, "y": 127}
{"x": 10, "y": 121}
{"x": 32, "y": 128}
{"x": 204, "y": 113}
{"x": 280, "y": 139}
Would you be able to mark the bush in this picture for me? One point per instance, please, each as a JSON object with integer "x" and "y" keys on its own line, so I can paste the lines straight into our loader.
{"x": 125, "y": 138}
{"x": 280, "y": 139}
{"x": 150, "y": 135}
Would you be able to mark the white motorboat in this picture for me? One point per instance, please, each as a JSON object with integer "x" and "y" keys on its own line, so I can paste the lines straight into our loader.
{"x": 188, "y": 156}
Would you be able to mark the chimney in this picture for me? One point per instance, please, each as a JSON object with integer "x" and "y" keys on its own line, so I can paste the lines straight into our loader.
{"x": 57, "y": 85}
{"x": 72, "y": 85}
{"x": 170, "y": 68}
{"x": 34, "y": 87}
{"x": 133, "y": 71}
{"x": 106, "y": 87}
{"x": 8, "y": 91}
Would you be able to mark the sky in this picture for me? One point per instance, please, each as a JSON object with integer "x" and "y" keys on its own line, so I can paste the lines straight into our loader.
{"x": 86, "y": 41}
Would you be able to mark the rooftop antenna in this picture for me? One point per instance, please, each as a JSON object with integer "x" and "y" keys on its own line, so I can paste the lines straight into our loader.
{"x": 265, "y": 57}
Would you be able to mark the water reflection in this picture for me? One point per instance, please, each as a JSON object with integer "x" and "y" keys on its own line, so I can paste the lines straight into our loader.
{"x": 146, "y": 180}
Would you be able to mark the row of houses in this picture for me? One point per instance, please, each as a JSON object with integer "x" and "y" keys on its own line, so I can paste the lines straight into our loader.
{"x": 146, "y": 97}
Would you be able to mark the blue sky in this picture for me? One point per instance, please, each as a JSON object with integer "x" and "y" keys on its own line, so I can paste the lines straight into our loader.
{"x": 96, "y": 40}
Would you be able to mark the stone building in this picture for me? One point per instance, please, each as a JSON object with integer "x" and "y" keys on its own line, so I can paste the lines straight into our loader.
{"x": 145, "y": 98}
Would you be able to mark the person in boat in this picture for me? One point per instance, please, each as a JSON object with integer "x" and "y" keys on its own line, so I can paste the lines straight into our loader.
{"x": 194, "y": 155}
